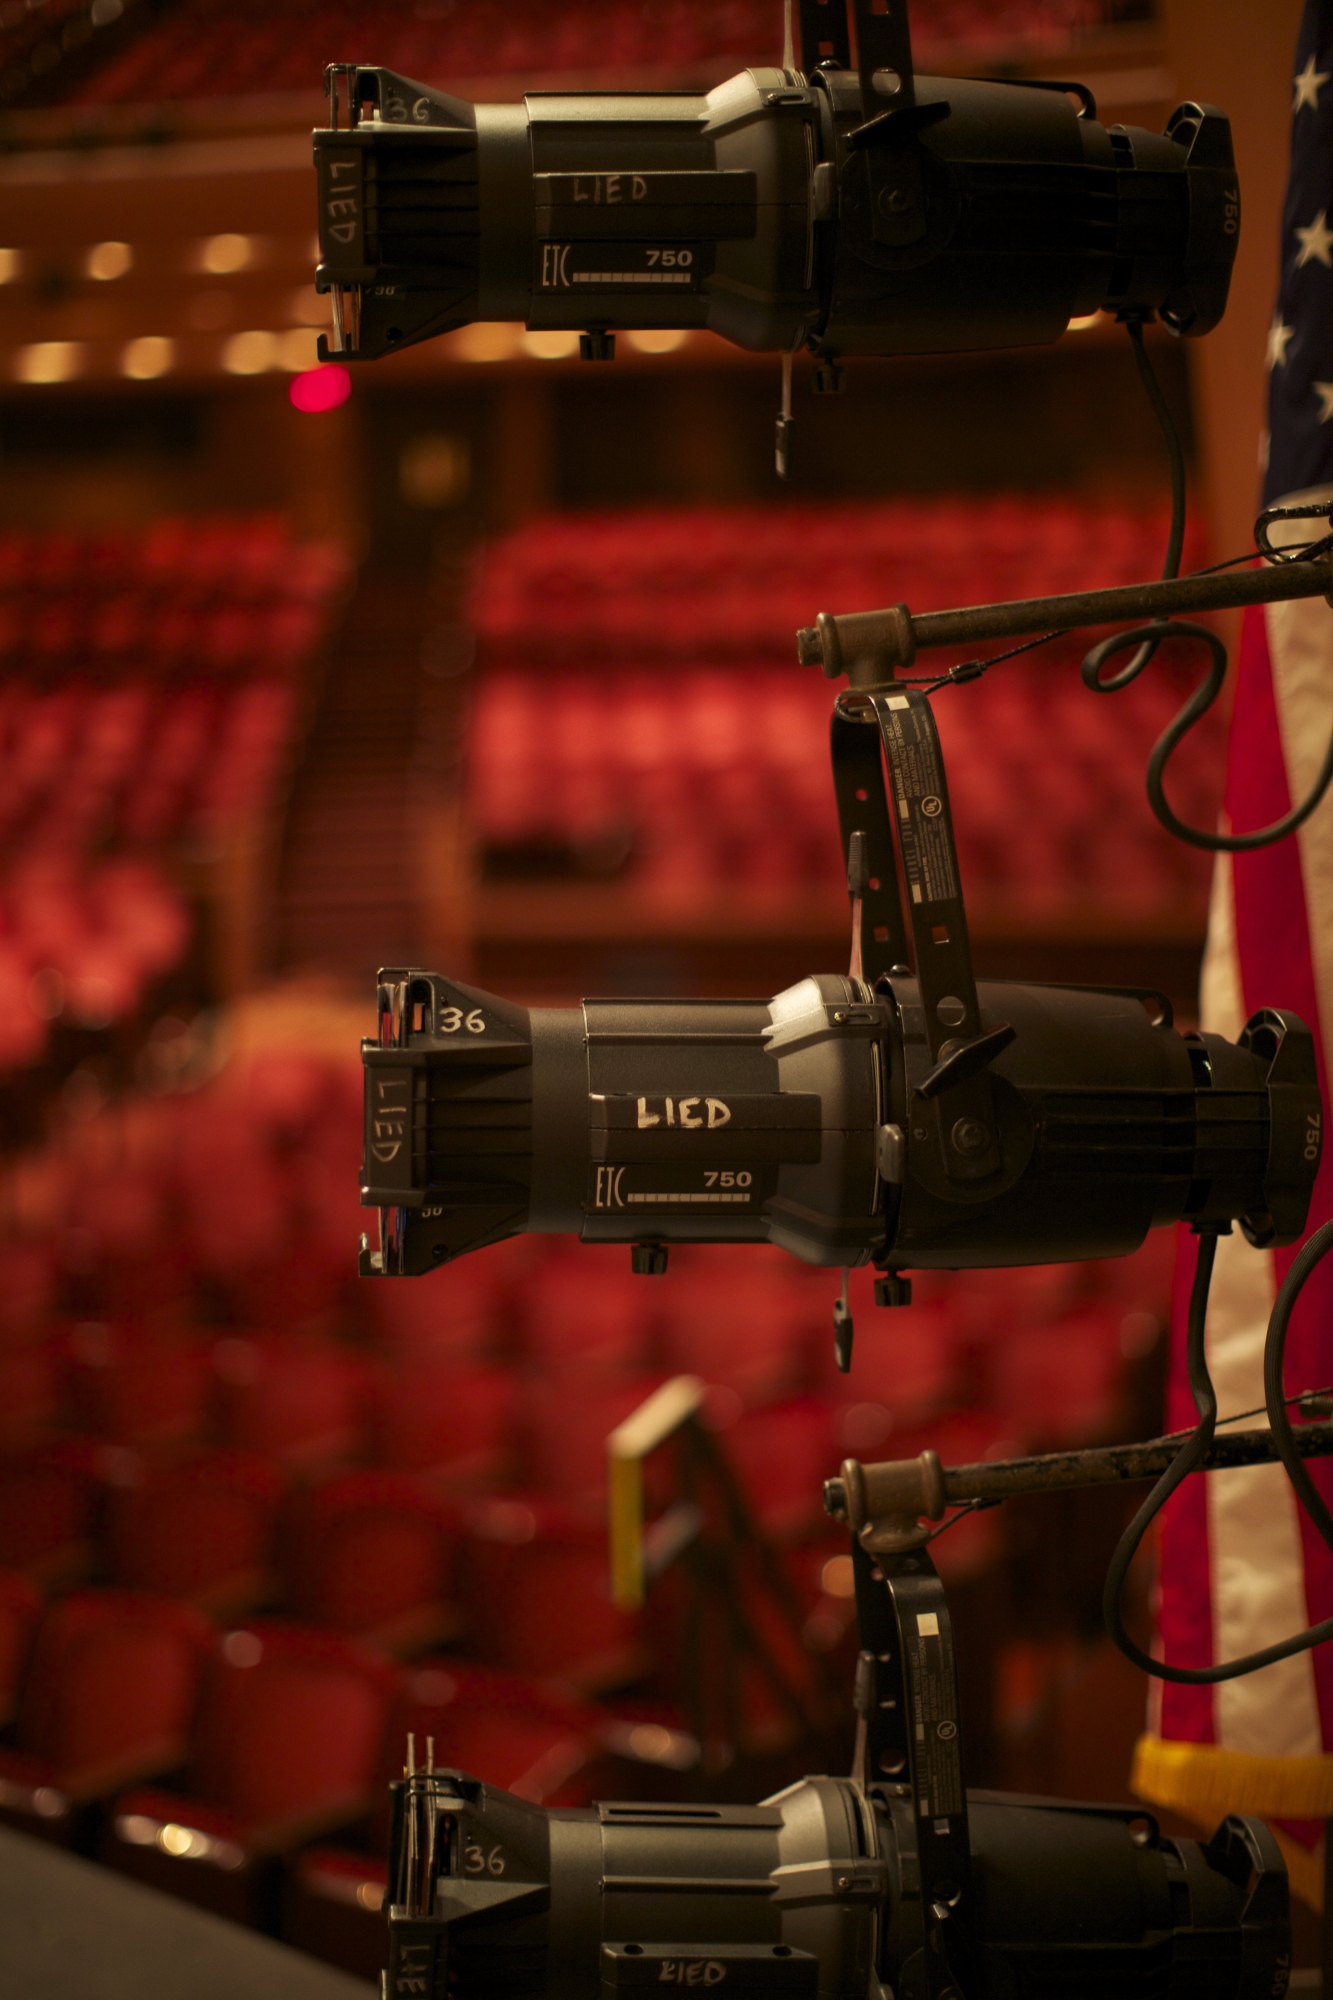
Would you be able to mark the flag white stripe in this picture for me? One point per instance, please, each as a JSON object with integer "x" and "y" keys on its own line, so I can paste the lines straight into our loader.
{"x": 1256, "y": 1565}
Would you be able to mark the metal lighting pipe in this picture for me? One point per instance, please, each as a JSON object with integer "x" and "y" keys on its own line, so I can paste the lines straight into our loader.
{"x": 891, "y": 1499}
{"x": 868, "y": 646}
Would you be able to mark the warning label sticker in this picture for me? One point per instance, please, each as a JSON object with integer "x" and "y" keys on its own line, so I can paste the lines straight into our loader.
{"x": 917, "y": 773}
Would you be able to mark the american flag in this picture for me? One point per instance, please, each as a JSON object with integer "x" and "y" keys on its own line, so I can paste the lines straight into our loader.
{"x": 1240, "y": 1566}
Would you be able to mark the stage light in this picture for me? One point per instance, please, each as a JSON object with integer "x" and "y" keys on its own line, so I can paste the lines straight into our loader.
{"x": 49, "y": 361}
{"x": 319, "y": 389}
{"x": 250, "y": 353}
{"x": 224, "y": 254}
{"x": 297, "y": 349}
{"x": 657, "y": 340}
{"x": 108, "y": 260}
{"x": 152, "y": 354}
{"x": 550, "y": 343}
{"x": 485, "y": 340}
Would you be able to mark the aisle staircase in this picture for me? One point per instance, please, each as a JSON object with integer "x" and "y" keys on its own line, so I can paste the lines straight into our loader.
{"x": 366, "y": 848}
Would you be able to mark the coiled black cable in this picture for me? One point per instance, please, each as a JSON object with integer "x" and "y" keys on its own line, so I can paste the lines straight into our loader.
{"x": 1147, "y": 638}
{"x": 1195, "y": 1450}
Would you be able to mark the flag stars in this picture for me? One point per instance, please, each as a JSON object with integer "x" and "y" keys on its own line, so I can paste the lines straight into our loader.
{"x": 1279, "y": 339}
{"x": 1316, "y": 243}
{"x": 1324, "y": 391}
{"x": 1308, "y": 86}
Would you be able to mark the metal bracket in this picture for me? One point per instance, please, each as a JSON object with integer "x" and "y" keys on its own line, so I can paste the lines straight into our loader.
{"x": 858, "y": 782}
{"x": 824, "y": 35}
{"x": 893, "y": 157}
{"x": 908, "y": 1747}
{"x": 961, "y": 1108}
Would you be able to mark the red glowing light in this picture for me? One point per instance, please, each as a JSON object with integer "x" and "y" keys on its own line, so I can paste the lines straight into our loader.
{"x": 320, "y": 389}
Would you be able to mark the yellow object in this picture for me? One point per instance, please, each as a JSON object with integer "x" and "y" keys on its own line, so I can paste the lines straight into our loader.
{"x": 1205, "y": 1782}
{"x": 655, "y": 1420}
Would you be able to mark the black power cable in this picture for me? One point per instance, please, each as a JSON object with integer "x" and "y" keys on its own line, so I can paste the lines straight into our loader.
{"x": 1147, "y": 638}
{"x": 1192, "y": 1454}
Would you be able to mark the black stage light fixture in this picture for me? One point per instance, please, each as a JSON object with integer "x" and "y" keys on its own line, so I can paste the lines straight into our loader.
{"x": 850, "y": 207}
{"x": 894, "y": 1882}
{"x": 916, "y": 1119}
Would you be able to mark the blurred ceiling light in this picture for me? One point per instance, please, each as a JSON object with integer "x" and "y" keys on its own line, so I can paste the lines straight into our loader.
{"x": 224, "y": 254}
{"x": 550, "y": 343}
{"x": 250, "y": 353}
{"x": 309, "y": 307}
{"x": 49, "y": 361}
{"x": 108, "y": 260}
{"x": 658, "y": 340}
{"x": 485, "y": 340}
{"x": 1083, "y": 322}
{"x": 297, "y": 349}
{"x": 320, "y": 389}
{"x": 152, "y": 354}
{"x": 434, "y": 470}
{"x": 11, "y": 266}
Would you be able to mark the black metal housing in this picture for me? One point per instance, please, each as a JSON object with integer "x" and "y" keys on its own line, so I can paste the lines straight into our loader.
{"x": 802, "y": 1122}
{"x": 783, "y": 208}
{"x": 817, "y": 1895}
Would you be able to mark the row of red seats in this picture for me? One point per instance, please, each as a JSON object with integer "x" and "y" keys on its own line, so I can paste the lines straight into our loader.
{"x": 142, "y": 763}
{"x": 82, "y": 943}
{"x": 143, "y": 633}
{"x": 205, "y": 50}
{"x": 380, "y": 1556}
{"x": 274, "y": 1734}
{"x": 307, "y": 1405}
{"x": 195, "y": 559}
{"x": 709, "y": 777}
{"x": 715, "y": 583}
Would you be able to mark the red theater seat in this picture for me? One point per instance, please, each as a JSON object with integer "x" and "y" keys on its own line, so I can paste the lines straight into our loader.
{"x": 289, "y": 1396}
{"x": 535, "y": 1590}
{"x": 20, "y": 1609}
{"x": 133, "y": 1385}
{"x": 428, "y": 1414}
{"x": 565, "y": 1416}
{"x": 371, "y": 1554}
{"x": 48, "y": 1511}
{"x": 202, "y": 1530}
{"x": 109, "y": 1697}
{"x": 285, "y": 1747}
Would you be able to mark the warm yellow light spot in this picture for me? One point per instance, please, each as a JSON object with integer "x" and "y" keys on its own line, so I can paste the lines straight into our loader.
{"x": 49, "y": 361}
{"x": 485, "y": 340}
{"x": 309, "y": 307}
{"x": 297, "y": 349}
{"x": 151, "y": 355}
{"x": 1082, "y": 324}
{"x": 550, "y": 343}
{"x": 108, "y": 260}
{"x": 224, "y": 254}
{"x": 11, "y": 266}
{"x": 251, "y": 353}
{"x": 434, "y": 470}
{"x": 657, "y": 340}
{"x": 837, "y": 1578}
